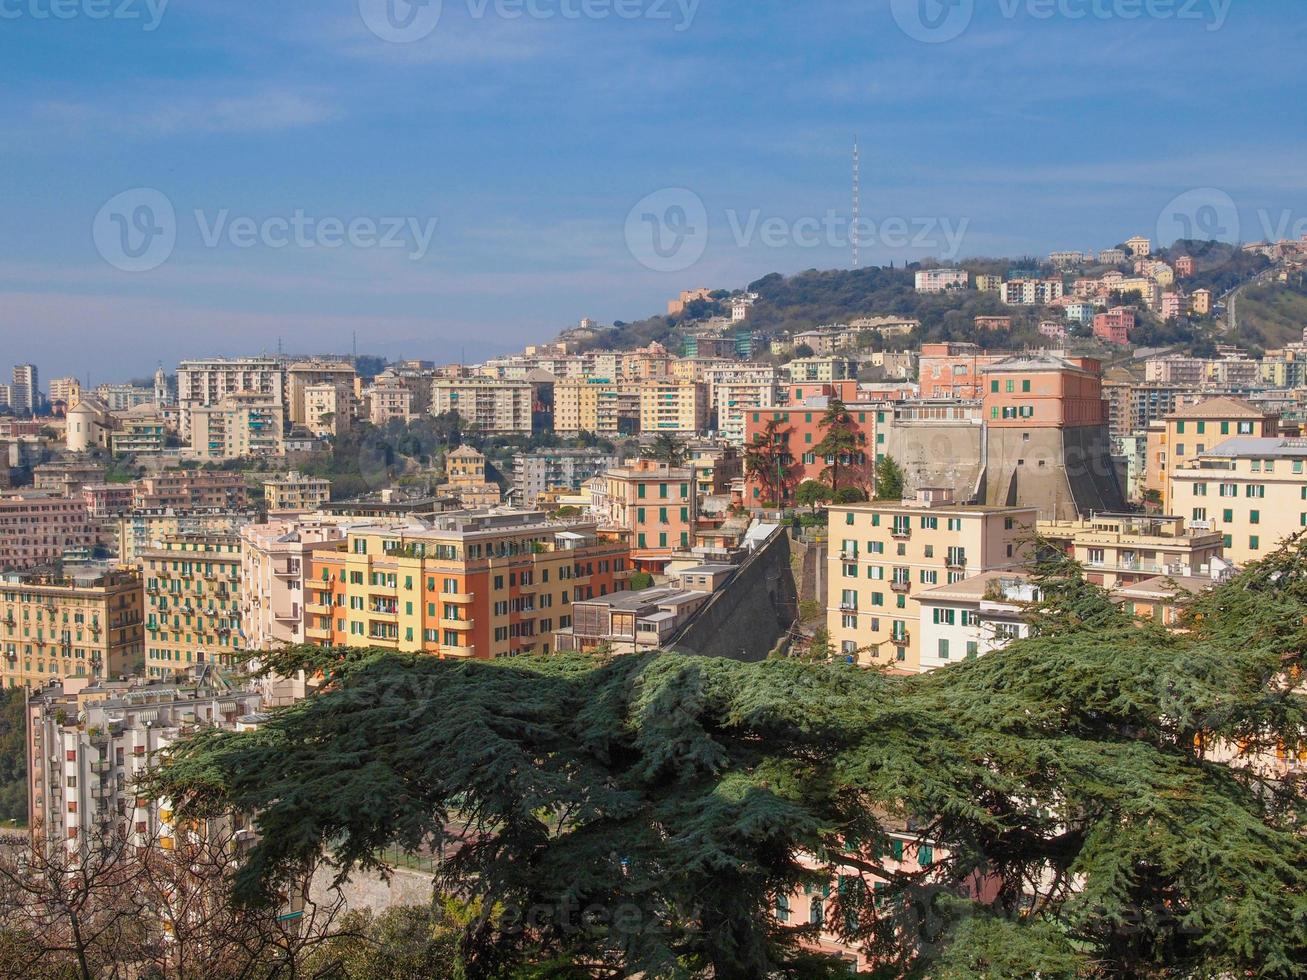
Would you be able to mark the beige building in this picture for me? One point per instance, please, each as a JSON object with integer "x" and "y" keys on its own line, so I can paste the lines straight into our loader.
{"x": 274, "y": 562}
{"x": 87, "y": 624}
{"x": 303, "y": 375}
{"x": 673, "y": 406}
{"x": 241, "y": 425}
{"x": 389, "y": 399}
{"x": 492, "y": 406}
{"x": 192, "y": 602}
{"x": 66, "y": 390}
{"x": 883, "y": 556}
{"x": 465, "y": 472}
{"x": 139, "y": 529}
{"x": 1191, "y": 430}
{"x": 1251, "y": 491}
{"x": 600, "y": 407}
{"x": 206, "y": 382}
{"x": 295, "y": 492}
{"x": 37, "y": 528}
{"x": 328, "y": 408}
{"x": 1119, "y": 550}
{"x": 973, "y": 617}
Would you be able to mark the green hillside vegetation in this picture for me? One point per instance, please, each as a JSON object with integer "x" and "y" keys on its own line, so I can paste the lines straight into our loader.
{"x": 1273, "y": 315}
{"x": 13, "y": 756}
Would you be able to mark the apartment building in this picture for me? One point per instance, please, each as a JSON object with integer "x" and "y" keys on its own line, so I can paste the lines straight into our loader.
{"x": 978, "y": 615}
{"x": 192, "y": 602}
{"x": 36, "y": 529}
{"x": 798, "y": 429}
{"x": 733, "y": 400}
{"x": 141, "y": 432}
{"x": 1191, "y": 430}
{"x": 303, "y": 375}
{"x": 600, "y": 407}
{"x": 1139, "y": 247}
{"x": 629, "y": 622}
{"x": 1250, "y": 490}
{"x": 274, "y": 562}
{"x": 65, "y": 477}
{"x": 954, "y": 370}
{"x": 465, "y": 478}
{"x": 1200, "y": 303}
{"x": 389, "y": 399}
{"x": 1118, "y": 550}
{"x": 941, "y": 280}
{"x": 84, "y": 624}
{"x": 88, "y": 744}
{"x": 673, "y": 406}
{"x": 206, "y": 382}
{"x": 238, "y": 426}
{"x": 554, "y": 469}
{"x": 295, "y": 492}
{"x": 106, "y": 499}
{"x": 1115, "y": 326}
{"x": 65, "y": 391}
{"x": 191, "y": 490}
{"x": 810, "y": 370}
{"x": 495, "y": 407}
{"x": 328, "y": 408}
{"x": 25, "y": 391}
{"x": 138, "y": 529}
{"x": 462, "y": 585}
{"x": 884, "y": 556}
{"x": 655, "y": 504}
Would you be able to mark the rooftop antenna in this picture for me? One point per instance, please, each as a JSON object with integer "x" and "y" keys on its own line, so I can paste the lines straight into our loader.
{"x": 857, "y": 200}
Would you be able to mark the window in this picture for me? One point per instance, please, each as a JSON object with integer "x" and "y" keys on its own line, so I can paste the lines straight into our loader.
{"x": 943, "y": 649}
{"x": 782, "y": 908}
{"x": 1254, "y": 542}
{"x": 1227, "y": 516}
{"x": 1200, "y": 489}
{"x": 1254, "y": 517}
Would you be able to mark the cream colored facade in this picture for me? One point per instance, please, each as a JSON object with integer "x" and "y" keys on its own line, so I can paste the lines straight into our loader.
{"x": 241, "y": 425}
{"x": 296, "y": 492}
{"x": 306, "y": 374}
{"x": 491, "y": 405}
{"x": 328, "y": 408}
{"x": 733, "y": 399}
{"x": 274, "y": 560}
{"x": 884, "y": 555}
{"x": 673, "y": 406}
{"x": 600, "y": 407}
{"x": 389, "y": 399}
{"x": 1250, "y": 491}
{"x": 1190, "y": 431}
{"x": 465, "y": 473}
{"x": 1123, "y": 549}
{"x": 209, "y": 381}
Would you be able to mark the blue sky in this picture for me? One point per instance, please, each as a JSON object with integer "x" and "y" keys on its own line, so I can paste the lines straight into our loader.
{"x": 528, "y": 137}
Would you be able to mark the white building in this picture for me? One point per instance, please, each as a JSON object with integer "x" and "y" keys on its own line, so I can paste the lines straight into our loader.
{"x": 942, "y": 280}
{"x": 975, "y": 616}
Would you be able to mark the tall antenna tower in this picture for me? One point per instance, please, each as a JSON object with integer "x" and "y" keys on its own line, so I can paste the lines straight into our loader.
{"x": 857, "y": 201}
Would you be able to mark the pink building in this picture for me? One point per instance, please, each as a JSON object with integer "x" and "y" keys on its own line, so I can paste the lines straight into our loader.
{"x": 1053, "y": 330}
{"x": 1172, "y": 305}
{"x": 1114, "y": 326}
{"x": 36, "y": 528}
{"x": 1185, "y": 266}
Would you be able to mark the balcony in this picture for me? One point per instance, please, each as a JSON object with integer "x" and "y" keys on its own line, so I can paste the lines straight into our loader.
{"x": 456, "y": 624}
{"x": 317, "y": 608}
{"x": 318, "y": 632}
{"x": 901, "y": 639}
{"x": 458, "y": 598}
{"x": 848, "y": 607}
{"x": 956, "y": 564}
{"x": 902, "y": 586}
{"x": 901, "y": 533}
{"x": 457, "y": 652}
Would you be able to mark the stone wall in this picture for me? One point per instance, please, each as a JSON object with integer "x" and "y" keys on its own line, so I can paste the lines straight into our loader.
{"x": 746, "y": 619}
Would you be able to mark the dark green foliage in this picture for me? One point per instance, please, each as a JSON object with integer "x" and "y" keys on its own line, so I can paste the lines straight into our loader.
{"x": 889, "y": 479}
{"x": 13, "y": 756}
{"x": 680, "y": 791}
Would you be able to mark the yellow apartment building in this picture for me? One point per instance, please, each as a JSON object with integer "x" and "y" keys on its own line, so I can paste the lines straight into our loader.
{"x": 1251, "y": 491}
{"x": 1190, "y": 431}
{"x": 192, "y": 602}
{"x": 83, "y": 625}
{"x": 240, "y": 425}
{"x": 884, "y": 555}
{"x": 296, "y": 492}
{"x": 673, "y": 406}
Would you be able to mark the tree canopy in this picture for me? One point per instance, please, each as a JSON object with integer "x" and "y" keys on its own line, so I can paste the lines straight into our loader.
{"x": 1079, "y": 771}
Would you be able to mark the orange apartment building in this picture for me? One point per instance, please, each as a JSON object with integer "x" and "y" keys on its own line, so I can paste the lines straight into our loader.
{"x": 656, "y": 505}
{"x": 799, "y": 429}
{"x": 466, "y": 585}
{"x": 954, "y": 370}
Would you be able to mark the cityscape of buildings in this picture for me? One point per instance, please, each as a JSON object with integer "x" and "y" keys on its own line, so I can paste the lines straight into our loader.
{"x": 156, "y": 540}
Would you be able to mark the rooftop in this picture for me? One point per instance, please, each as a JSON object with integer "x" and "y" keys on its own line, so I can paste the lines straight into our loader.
{"x": 1218, "y": 408}
{"x": 1253, "y": 447}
